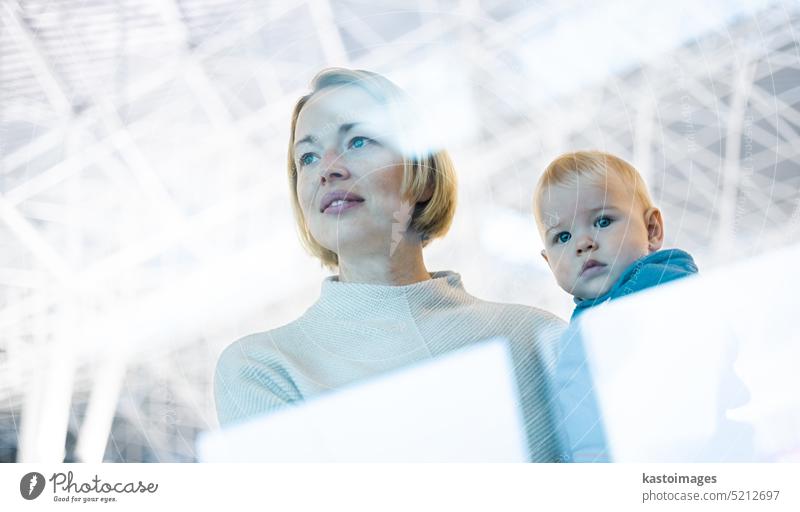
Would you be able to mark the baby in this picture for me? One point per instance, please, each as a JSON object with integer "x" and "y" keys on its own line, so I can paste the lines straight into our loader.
{"x": 602, "y": 239}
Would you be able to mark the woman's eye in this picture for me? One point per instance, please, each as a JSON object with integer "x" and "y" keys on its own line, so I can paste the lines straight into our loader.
{"x": 307, "y": 159}
{"x": 563, "y": 237}
{"x": 602, "y": 222}
{"x": 358, "y": 142}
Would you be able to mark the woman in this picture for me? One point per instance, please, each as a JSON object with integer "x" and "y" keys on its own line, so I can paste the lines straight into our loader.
{"x": 368, "y": 196}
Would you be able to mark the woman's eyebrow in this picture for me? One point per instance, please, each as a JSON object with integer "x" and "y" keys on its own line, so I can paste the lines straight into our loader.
{"x": 347, "y": 127}
{"x": 310, "y": 139}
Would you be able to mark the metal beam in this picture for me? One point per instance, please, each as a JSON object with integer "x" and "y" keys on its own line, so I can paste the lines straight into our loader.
{"x": 54, "y": 88}
{"x": 96, "y": 425}
{"x": 38, "y": 246}
{"x": 743, "y": 83}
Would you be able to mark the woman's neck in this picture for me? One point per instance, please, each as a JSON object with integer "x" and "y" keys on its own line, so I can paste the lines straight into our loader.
{"x": 404, "y": 265}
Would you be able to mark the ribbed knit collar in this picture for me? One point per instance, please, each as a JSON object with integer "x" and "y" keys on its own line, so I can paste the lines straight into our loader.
{"x": 444, "y": 287}
{"x": 379, "y": 323}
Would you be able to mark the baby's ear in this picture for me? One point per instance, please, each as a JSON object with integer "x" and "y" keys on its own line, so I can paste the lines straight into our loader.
{"x": 655, "y": 228}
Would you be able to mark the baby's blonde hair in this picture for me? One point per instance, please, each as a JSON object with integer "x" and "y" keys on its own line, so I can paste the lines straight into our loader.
{"x": 570, "y": 167}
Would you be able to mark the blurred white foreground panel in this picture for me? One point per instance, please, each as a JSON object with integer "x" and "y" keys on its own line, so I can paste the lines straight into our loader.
{"x": 702, "y": 369}
{"x": 459, "y": 408}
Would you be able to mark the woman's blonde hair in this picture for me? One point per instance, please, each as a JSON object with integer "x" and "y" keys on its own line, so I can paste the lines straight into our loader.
{"x": 425, "y": 170}
{"x": 595, "y": 165}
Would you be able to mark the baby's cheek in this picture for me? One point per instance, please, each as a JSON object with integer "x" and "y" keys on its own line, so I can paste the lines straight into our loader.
{"x": 565, "y": 277}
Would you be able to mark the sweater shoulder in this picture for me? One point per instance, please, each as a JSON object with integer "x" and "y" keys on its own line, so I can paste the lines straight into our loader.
{"x": 252, "y": 376}
{"x": 530, "y": 329}
{"x": 261, "y": 347}
{"x": 535, "y": 318}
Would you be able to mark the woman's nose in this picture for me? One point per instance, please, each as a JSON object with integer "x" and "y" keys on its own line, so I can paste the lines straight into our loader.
{"x": 333, "y": 167}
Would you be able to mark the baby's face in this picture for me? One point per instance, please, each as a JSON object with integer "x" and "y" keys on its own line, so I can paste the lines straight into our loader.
{"x": 592, "y": 231}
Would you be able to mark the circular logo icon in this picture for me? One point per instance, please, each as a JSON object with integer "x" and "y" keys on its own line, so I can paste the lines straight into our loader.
{"x": 31, "y": 485}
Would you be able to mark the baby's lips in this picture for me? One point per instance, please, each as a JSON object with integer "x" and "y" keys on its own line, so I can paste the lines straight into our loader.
{"x": 591, "y": 264}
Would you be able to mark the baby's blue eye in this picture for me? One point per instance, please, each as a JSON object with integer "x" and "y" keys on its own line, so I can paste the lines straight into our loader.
{"x": 307, "y": 159}
{"x": 358, "y": 142}
{"x": 563, "y": 237}
{"x": 602, "y": 222}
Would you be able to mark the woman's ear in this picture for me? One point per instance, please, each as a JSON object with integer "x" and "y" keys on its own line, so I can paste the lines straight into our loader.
{"x": 655, "y": 229}
{"x": 544, "y": 255}
{"x": 426, "y": 194}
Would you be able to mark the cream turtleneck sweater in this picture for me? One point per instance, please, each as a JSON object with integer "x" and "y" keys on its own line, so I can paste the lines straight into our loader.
{"x": 355, "y": 331}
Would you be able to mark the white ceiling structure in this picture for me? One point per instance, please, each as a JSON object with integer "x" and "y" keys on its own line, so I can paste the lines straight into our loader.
{"x": 144, "y": 214}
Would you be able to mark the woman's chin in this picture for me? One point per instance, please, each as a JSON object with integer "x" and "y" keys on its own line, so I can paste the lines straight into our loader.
{"x": 349, "y": 247}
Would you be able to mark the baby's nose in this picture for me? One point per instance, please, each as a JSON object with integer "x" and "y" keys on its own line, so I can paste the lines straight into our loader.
{"x": 586, "y": 244}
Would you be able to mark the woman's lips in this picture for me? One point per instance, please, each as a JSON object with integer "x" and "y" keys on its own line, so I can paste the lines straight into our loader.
{"x": 340, "y": 206}
{"x": 337, "y": 201}
{"x": 592, "y": 267}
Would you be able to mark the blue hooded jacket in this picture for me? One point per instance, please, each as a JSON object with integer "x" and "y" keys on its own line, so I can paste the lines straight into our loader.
{"x": 582, "y": 431}
{"x": 651, "y": 270}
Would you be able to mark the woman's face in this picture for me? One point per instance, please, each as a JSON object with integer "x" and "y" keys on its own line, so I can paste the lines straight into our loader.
{"x": 349, "y": 171}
